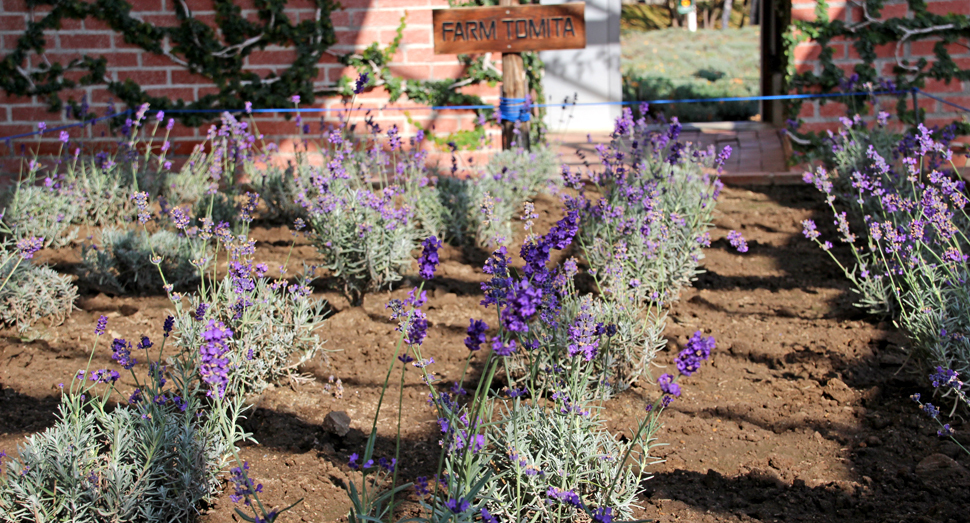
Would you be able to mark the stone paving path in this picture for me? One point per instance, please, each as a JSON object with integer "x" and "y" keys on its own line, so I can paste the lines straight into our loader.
{"x": 758, "y": 155}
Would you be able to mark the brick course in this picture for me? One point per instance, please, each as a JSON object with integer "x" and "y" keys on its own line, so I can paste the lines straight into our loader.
{"x": 357, "y": 25}
{"x": 825, "y": 116}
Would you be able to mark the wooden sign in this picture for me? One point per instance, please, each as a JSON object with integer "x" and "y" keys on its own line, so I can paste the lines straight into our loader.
{"x": 509, "y": 29}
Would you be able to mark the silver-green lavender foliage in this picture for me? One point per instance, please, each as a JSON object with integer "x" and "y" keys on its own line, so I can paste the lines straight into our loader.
{"x": 545, "y": 453}
{"x": 481, "y": 210}
{"x": 363, "y": 222}
{"x": 41, "y": 212}
{"x": 273, "y": 325}
{"x": 129, "y": 260}
{"x": 79, "y": 191}
{"x": 911, "y": 248}
{"x": 618, "y": 359}
{"x": 154, "y": 460}
{"x": 643, "y": 234}
{"x": 34, "y": 293}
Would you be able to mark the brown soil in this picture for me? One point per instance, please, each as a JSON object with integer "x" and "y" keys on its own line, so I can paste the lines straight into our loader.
{"x": 802, "y": 415}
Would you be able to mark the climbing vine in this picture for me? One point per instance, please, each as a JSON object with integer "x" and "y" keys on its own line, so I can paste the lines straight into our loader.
{"x": 216, "y": 53}
{"x": 219, "y": 54}
{"x": 864, "y": 36}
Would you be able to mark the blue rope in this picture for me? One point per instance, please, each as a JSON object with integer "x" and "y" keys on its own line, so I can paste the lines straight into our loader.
{"x": 509, "y": 108}
{"x": 924, "y": 93}
{"x": 61, "y": 128}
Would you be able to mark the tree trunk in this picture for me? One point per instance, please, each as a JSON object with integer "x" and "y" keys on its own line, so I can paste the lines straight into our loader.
{"x": 726, "y": 15}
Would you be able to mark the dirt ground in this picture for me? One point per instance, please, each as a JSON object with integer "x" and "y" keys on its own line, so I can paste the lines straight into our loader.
{"x": 803, "y": 413}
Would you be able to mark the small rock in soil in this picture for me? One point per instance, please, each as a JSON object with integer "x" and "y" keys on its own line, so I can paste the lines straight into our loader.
{"x": 937, "y": 466}
{"x": 839, "y": 391}
{"x": 337, "y": 422}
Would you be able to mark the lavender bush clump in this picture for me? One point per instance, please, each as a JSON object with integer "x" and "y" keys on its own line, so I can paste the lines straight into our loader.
{"x": 905, "y": 223}
{"x": 130, "y": 260}
{"x": 154, "y": 459}
{"x": 272, "y": 325}
{"x": 33, "y": 211}
{"x": 93, "y": 189}
{"x": 33, "y": 292}
{"x": 482, "y": 210}
{"x": 364, "y": 235}
{"x": 644, "y": 230}
{"x": 536, "y": 449}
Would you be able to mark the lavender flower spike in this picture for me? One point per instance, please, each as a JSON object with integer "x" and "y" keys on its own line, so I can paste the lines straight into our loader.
{"x": 429, "y": 260}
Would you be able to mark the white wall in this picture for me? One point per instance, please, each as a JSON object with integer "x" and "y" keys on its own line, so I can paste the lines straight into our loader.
{"x": 592, "y": 73}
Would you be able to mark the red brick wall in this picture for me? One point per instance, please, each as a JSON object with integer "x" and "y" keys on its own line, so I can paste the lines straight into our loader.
{"x": 819, "y": 117}
{"x": 358, "y": 24}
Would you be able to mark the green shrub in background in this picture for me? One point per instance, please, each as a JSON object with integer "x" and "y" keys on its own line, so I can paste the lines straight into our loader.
{"x": 677, "y": 64}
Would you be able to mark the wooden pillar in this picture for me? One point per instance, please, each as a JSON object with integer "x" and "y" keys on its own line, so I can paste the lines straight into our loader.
{"x": 514, "y": 85}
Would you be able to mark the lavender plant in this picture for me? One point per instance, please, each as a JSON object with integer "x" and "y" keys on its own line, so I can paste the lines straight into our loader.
{"x": 155, "y": 458}
{"x": 136, "y": 260}
{"x": 41, "y": 212}
{"x": 643, "y": 236}
{"x": 910, "y": 257}
{"x": 365, "y": 236}
{"x": 536, "y": 450}
{"x": 273, "y": 324}
{"x": 94, "y": 189}
{"x": 482, "y": 210}
{"x": 33, "y": 293}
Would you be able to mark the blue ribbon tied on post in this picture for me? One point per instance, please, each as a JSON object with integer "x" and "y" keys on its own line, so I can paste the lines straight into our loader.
{"x": 513, "y": 109}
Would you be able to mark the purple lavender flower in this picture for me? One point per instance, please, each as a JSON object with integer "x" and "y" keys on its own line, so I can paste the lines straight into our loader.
{"x": 361, "y": 83}
{"x": 667, "y": 385}
{"x": 809, "y": 230}
{"x": 737, "y": 241}
{"x": 698, "y": 349}
{"x": 101, "y": 326}
{"x": 387, "y": 465}
{"x": 352, "y": 461}
{"x": 946, "y": 431}
{"x": 295, "y": 98}
{"x": 418, "y": 328}
{"x": 180, "y": 218}
{"x": 721, "y": 158}
{"x": 562, "y": 233}
{"x": 167, "y": 326}
{"x": 141, "y": 202}
{"x": 457, "y": 506}
{"x": 502, "y": 349}
{"x": 523, "y": 304}
{"x": 121, "y": 353}
{"x": 29, "y": 246}
{"x": 200, "y": 311}
{"x": 583, "y": 337}
{"x": 421, "y": 487}
{"x": 243, "y": 486}
{"x": 945, "y": 378}
{"x": 476, "y": 334}
{"x": 930, "y": 410}
{"x": 429, "y": 257}
{"x": 603, "y": 515}
{"x": 214, "y": 366}
{"x": 487, "y": 516}
{"x": 105, "y": 376}
{"x": 564, "y": 496}
{"x": 42, "y": 126}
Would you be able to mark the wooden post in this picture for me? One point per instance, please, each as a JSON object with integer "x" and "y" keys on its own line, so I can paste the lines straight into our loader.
{"x": 510, "y": 29}
{"x": 514, "y": 85}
